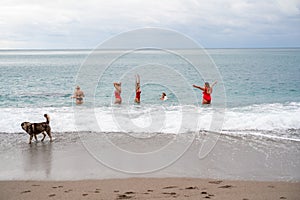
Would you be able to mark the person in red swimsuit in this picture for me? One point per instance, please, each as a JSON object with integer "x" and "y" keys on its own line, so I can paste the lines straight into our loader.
{"x": 118, "y": 99}
{"x": 137, "y": 89}
{"x": 207, "y": 90}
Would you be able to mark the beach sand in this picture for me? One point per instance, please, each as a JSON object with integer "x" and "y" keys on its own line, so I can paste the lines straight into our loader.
{"x": 236, "y": 168}
{"x": 148, "y": 188}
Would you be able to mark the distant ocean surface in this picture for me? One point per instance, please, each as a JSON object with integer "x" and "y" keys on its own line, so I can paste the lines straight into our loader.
{"x": 262, "y": 92}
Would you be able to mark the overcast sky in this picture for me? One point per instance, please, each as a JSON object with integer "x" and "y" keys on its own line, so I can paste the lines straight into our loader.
{"x": 86, "y": 23}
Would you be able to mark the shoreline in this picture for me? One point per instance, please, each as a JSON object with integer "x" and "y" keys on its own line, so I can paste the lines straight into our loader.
{"x": 93, "y": 156}
{"x": 149, "y": 188}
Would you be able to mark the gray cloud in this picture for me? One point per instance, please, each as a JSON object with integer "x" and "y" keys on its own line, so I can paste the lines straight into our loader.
{"x": 84, "y": 24}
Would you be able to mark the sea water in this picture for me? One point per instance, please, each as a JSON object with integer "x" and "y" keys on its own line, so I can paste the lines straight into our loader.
{"x": 260, "y": 119}
{"x": 261, "y": 86}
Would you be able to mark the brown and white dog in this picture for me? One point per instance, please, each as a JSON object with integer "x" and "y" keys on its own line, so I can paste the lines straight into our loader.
{"x": 34, "y": 129}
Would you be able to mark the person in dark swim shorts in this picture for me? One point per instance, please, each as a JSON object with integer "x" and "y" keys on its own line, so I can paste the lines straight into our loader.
{"x": 78, "y": 95}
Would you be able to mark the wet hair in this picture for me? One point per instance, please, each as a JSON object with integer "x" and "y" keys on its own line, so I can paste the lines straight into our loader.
{"x": 207, "y": 84}
{"x": 164, "y": 94}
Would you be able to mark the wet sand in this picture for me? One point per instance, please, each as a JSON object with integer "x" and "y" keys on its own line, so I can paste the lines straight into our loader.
{"x": 68, "y": 158}
{"x": 68, "y": 168}
{"x": 148, "y": 188}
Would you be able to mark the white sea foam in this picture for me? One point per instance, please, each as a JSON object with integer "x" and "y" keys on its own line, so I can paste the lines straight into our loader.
{"x": 151, "y": 119}
{"x": 263, "y": 117}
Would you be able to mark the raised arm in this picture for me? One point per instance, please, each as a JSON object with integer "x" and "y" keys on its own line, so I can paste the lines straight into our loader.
{"x": 137, "y": 79}
{"x": 137, "y": 82}
{"x": 201, "y": 88}
{"x": 117, "y": 86}
{"x": 214, "y": 83}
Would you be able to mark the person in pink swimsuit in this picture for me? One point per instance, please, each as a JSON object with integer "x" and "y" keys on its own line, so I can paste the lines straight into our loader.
{"x": 118, "y": 99}
{"x": 137, "y": 89}
{"x": 207, "y": 90}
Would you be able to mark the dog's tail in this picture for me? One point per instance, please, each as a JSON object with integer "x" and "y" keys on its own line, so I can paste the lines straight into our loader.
{"x": 47, "y": 118}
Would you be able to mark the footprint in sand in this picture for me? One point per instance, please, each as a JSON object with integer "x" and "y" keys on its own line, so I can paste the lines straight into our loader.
{"x": 124, "y": 196}
{"x": 52, "y": 195}
{"x": 170, "y": 193}
{"x": 26, "y": 191}
{"x": 215, "y": 182}
{"x": 35, "y": 185}
{"x": 85, "y": 194}
{"x": 192, "y": 188}
{"x": 169, "y": 187}
{"x": 97, "y": 190}
{"x": 207, "y": 195}
{"x": 129, "y": 192}
{"x": 282, "y": 198}
{"x": 226, "y": 186}
{"x": 149, "y": 190}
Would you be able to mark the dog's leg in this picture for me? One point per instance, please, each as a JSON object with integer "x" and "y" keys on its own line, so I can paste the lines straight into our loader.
{"x": 44, "y": 135}
{"x": 35, "y": 138}
{"x": 30, "y": 139}
{"x": 48, "y": 131}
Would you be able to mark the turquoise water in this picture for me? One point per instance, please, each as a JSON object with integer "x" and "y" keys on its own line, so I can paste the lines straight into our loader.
{"x": 259, "y": 76}
{"x": 47, "y": 78}
{"x": 261, "y": 85}
{"x": 38, "y": 78}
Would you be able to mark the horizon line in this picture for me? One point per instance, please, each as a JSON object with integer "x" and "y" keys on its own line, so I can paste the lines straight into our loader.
{"x": 150, "y": 48}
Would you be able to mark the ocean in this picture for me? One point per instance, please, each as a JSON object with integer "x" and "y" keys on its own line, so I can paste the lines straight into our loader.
{"x": 261, "y": 86}
{"x": 261, "y": 89}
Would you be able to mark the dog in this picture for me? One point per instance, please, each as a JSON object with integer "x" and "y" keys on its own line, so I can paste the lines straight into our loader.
{"x": 33, "y": 129}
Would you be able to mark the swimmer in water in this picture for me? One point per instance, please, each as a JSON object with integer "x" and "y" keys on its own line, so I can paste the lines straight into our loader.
{"x": 163, "y": 97}
{"x": 207, "y": 90}
{"x": 137, "y": 89}
{"x": 78, "y": 95}
{"x": 118, "y": 99}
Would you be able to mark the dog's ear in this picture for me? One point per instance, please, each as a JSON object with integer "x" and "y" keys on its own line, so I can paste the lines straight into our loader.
{"x": 22, "y": 124}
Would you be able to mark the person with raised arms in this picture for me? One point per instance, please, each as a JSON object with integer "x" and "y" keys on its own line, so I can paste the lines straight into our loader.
{"x": 118, "y": 99}
{"x": 137, "y": 89}
{"x": 207, "y": 90}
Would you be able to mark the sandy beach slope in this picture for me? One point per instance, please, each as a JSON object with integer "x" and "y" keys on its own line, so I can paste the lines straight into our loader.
{"x": 148, "y": 188}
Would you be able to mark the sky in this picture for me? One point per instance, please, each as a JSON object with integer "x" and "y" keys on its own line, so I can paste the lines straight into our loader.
{"x": 66, "y": 24}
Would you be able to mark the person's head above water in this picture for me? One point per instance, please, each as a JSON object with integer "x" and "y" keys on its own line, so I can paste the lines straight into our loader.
{"x": 163, "y": 96}
{"x": 207, "y": 85}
